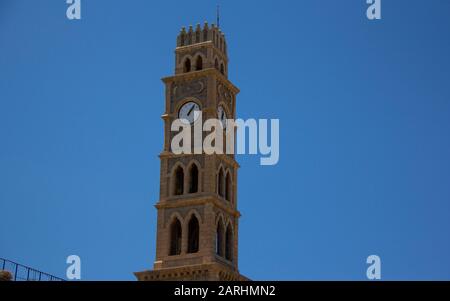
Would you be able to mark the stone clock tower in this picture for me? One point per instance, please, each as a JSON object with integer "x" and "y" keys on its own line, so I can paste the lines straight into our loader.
{"x": 197, "y": 228}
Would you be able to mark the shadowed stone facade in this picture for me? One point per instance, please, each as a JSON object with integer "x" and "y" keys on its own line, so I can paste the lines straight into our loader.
{"x": 197, "y": 228}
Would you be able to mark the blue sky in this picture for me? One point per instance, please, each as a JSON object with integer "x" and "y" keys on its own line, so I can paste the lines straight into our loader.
{"x": 364, "y": 112}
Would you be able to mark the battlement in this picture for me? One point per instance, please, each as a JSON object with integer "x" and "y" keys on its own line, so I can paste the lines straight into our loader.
{"x": 202, "y": 34}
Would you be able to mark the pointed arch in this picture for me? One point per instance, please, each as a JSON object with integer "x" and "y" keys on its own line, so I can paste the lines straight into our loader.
{"x": 197, "y": 215}
{"x": 175, "y": 237}
{"x": 229, "y": 243}
{"x": 216, "y": 64}
{"x": 219, "y": 216}
{"x": 175, "y": 215}
{"x": 222, "y": 69}
{"x": 193, "y": 234}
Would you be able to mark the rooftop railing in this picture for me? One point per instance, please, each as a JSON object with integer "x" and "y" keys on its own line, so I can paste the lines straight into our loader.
{"x": 21, "y": 272}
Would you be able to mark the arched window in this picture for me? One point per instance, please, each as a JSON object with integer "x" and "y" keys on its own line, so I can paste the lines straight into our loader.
{"x": 222, "y": 69}
{"x": 199, "y": 63}
{"x": 193, "y": 179}
{"x": 216, "y": 64}
{"x": 175, "y": 238}
{"x": 179, "y": 181}
{"x": 187, "y": 66}
{"x": 229, "y": 244}
{"x": 219, "y": 238}
{"x": 220, "y": 183}
{"x": 193, "y": 235}
{"x": 228, "y": 187}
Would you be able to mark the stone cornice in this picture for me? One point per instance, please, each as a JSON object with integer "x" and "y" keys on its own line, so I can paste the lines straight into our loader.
{"x": 211, "y": 271}
{"x": 201, "y": 73}
{"x": 197, "y": 200}
{"x": 207, "y": 44}
{"x": 226, "y": 158}
{"x": 194, "y": 46}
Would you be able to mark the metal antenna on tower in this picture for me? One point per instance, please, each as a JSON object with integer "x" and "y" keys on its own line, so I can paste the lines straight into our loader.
{"x": 218, "y": 16}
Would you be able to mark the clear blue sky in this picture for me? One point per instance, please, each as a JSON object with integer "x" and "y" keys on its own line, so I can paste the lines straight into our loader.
{"x": 364, "y": 111}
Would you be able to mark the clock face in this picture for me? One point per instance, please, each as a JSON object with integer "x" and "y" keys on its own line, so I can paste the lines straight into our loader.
{"x": 189, "y": 112}
{"x": 222, "y": 116}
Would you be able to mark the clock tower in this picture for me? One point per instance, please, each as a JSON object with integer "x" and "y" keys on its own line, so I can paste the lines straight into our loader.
{"x": 197, "y": 227}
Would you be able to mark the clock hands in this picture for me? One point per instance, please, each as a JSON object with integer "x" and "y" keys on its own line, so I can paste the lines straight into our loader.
{"x": 193, "y": 108}
{"x": 189, "y": 113}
